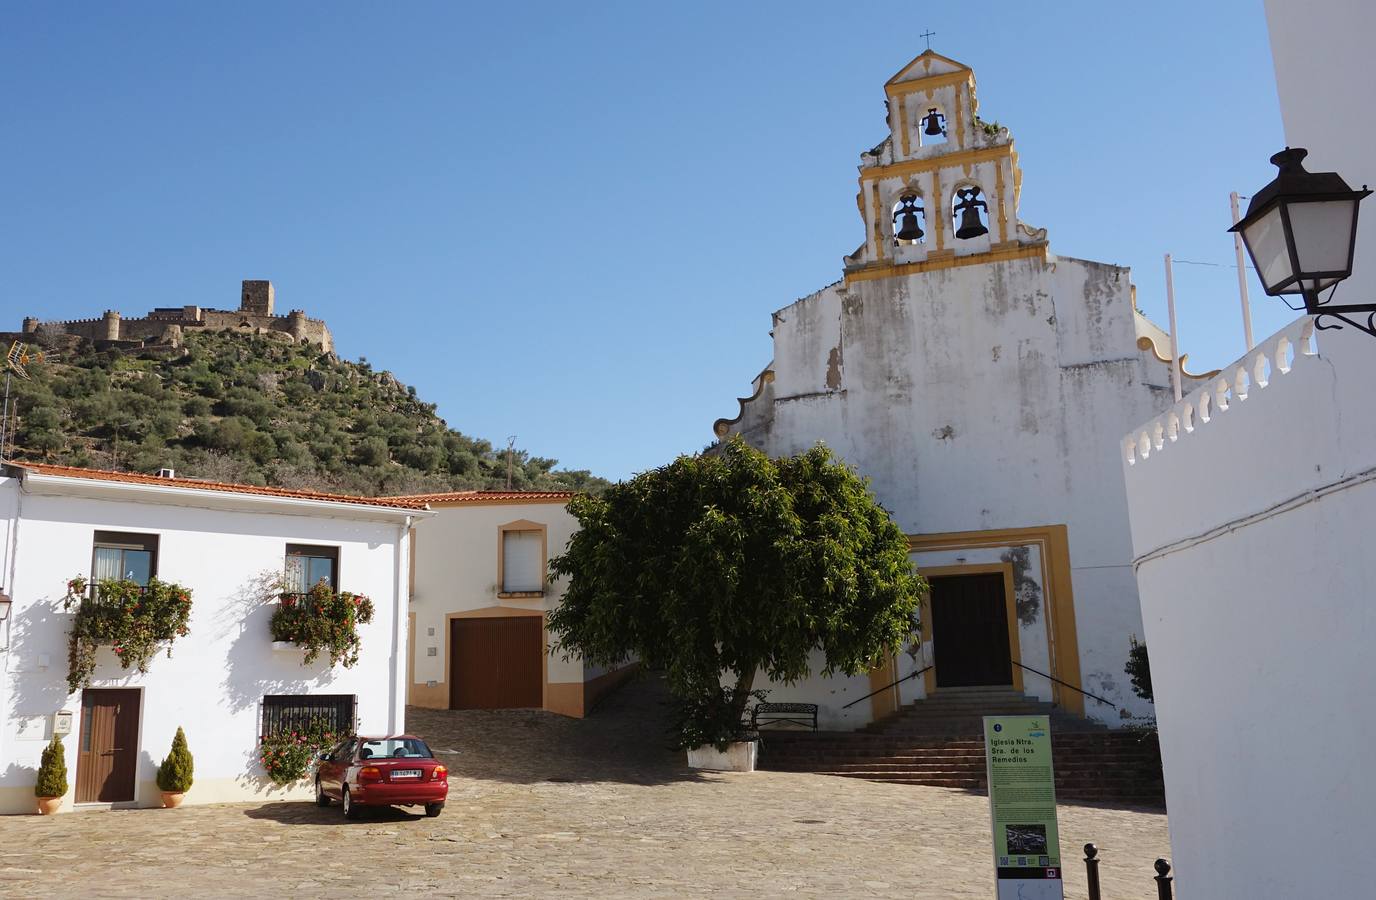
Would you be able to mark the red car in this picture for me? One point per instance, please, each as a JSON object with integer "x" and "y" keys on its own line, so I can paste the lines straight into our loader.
{"x": 398, "y": 770}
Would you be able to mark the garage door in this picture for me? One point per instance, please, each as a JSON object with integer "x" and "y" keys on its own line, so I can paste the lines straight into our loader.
{"x": 496, "y": 663}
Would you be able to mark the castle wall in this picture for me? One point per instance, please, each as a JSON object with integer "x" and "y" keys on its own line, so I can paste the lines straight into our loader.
{"x": 162, "y": 325}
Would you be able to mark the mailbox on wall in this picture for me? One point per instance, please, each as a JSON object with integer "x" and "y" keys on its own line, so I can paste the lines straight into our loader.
{"x": 62, "y": 723}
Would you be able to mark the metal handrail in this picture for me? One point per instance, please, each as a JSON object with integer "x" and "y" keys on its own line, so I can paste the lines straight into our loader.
{"x": 1065, "y": 683}
{"x": 887, "y": 686}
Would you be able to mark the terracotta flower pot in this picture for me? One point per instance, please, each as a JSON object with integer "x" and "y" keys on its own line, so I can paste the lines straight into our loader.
{"x": 48, "y": 805}
{"x": 172, "y": 799}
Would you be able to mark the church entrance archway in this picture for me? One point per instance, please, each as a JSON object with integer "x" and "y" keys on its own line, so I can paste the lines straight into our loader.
{"x": 970, "y": 625}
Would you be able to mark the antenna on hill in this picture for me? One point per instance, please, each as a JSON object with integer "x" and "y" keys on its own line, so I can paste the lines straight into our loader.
{"x": 15, "y": 361}
{"x": 510, "y": 450}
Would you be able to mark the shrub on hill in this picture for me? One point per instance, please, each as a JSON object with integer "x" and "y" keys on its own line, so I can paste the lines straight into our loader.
{"x": 258, "y": 410}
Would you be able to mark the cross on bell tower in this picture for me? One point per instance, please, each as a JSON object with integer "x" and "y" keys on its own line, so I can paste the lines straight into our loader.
{"x": 944, "y": 184}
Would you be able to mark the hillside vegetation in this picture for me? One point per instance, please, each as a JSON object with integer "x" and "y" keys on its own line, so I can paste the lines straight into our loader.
{"x": 257, "y": 410}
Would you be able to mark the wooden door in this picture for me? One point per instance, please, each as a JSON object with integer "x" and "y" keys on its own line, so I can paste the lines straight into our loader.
{"x": 108, "y": 750}
{"x": 496, "y": 663}
{"x": 970, "y": 630}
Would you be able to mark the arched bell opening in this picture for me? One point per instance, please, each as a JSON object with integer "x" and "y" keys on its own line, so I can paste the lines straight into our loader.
{"x": 909, "y": 221}
{"x": 969, "y": 212}
{"x": 931, "y": 128}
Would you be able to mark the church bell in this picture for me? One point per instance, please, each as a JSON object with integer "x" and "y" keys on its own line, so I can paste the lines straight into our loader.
{"x": 933, "y": 123}
{"x": 908, "y": 229}
{"x": 969, "y": 207}
{"x": 970, "y": 225}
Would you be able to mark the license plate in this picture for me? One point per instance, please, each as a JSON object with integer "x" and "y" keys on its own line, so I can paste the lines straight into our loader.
{"x": 405, "y": 773}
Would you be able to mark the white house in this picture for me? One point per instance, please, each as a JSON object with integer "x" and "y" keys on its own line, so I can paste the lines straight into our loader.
{"x": 1253, "y": 503}
{"x": 981, "y": 382}
{"x": 479, "y": 598}
{"x": 224, "y": 682}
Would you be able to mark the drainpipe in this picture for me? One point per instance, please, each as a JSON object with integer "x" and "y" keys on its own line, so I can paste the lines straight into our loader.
{"x": 396, "y": 716}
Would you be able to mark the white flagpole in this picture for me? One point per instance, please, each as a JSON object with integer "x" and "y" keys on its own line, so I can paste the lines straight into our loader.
{"x": 1242, "y": 276}
{"x": 1175, "y": 339}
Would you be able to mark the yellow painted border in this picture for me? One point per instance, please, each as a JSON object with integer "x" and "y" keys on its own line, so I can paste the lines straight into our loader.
{"x": 935, "y": 163}
{"x": 874, "y": 272}
{"x": 1010, "y": 603}
{"x": 1058, "y": 597}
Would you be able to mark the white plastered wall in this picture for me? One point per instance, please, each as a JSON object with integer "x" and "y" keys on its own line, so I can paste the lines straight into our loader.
{"x": 1252, "y": 530}
{"x": 214, "y": 681}
{"x": 981, "y": 398}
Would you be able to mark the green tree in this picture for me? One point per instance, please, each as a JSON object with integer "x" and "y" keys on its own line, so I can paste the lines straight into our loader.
{"x": 52, "y": 771}
{"x": 1138, "y": 670}
{"x": 174, "y": 775}
{"x": 717, "y": 567}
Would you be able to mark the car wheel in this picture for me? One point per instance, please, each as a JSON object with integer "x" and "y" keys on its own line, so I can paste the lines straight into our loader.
{"x": 351, "y": 811}
{"x": 320, "y": 798}
{"x": 433, "y": 809}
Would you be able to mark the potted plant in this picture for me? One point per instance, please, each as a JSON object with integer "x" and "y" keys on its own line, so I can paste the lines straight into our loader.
{"x": 174, "y": 775}
{"x": 711, "y": 730}
{"x": 51, "y": 786}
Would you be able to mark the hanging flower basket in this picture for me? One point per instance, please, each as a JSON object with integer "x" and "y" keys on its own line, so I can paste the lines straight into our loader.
{"x": 322, "y": 619}
{"x": 135, "y": 620}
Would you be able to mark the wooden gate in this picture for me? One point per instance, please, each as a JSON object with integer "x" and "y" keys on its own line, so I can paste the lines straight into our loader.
{"x": 108, "y": 752}
{"x": 970, "y": 630}
{"x": 496, "y": 663}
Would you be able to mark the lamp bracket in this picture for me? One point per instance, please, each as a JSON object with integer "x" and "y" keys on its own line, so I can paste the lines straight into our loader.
{"x": 1369, "y": 327}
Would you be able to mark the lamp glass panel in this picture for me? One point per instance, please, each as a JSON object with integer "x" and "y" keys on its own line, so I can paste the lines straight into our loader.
{"x": 1266, "y": 240}
{"x": 1323, "y": 234}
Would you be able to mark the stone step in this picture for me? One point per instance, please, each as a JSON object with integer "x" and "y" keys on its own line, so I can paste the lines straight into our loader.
{"x": 1093, "y": 765}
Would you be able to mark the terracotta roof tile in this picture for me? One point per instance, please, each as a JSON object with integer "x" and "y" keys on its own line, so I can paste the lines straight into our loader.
{"x": 487, "y": 496}
{"x": 217, "y": 486}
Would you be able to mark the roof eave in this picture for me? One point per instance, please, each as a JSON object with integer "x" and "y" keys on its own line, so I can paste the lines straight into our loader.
{"x": 103, "y": 489}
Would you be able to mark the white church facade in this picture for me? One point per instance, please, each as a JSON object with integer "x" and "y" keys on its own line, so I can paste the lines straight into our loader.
{"x": 982, "y": 383}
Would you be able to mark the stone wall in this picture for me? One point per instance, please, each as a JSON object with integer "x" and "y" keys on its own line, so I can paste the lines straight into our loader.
{"x": 167, "y": 325}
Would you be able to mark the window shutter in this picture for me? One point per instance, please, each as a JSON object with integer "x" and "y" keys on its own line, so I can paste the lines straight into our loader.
{"x": 521, "y": 561}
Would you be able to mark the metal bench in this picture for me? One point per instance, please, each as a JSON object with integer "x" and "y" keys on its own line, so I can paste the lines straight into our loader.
{"x": 802, "y": 715}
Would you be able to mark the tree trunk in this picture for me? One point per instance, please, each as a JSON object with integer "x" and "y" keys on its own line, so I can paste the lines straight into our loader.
{"x": 740, "y": 694}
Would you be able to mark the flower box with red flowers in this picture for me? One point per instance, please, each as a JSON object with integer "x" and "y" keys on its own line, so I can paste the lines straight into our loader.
{"x": 135, "y": 620}
{"x": 321, "y": 619}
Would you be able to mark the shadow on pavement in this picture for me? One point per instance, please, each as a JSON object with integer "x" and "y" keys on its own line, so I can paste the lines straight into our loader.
{"x": 624, "y": 740}
{"x": 305, "y": 812}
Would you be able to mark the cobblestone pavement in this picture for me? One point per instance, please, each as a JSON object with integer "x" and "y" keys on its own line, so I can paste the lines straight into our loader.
{"x": 542, "y": 806}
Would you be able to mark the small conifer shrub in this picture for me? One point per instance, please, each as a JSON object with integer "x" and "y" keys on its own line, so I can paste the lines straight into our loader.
{"x": 52, "y": 771}
{"x": 174, "y": 775}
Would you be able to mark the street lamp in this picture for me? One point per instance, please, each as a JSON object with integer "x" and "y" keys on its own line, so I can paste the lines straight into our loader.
{"x": 1301, "y": 231}
{"x": 5, "y": 603}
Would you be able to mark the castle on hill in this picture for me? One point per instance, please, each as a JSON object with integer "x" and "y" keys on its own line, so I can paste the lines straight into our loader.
{"x": 165, "y": 326}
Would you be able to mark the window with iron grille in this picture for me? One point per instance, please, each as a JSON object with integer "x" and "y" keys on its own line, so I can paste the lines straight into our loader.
{"x": 296, "y": 712}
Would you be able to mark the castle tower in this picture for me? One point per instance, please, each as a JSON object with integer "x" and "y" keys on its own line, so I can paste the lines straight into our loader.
{"x": 296, "y": 324}
{"x": 30, "y": 325}
{"x": 109, "y": 326}
{"x": 943, "y": 184}
{"x": 257, "y": 298}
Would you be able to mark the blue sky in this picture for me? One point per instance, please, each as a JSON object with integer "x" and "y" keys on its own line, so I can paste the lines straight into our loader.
{"x": 571, "y": 222}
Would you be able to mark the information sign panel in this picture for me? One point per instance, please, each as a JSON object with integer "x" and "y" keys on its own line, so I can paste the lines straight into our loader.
{"x": 1022, "y": 807}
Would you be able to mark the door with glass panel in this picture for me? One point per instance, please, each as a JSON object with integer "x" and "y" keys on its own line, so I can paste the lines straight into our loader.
{"x": 120, "y": 556}
{"x": 308, "y": 566}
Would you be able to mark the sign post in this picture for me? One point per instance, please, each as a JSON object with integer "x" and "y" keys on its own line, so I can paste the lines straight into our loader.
{"x": 1022, "y": 807}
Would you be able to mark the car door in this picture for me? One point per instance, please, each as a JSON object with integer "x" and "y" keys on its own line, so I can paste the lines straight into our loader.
{"x": 332, "y": 769}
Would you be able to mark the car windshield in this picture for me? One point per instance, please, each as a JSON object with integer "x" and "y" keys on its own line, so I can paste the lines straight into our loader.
{"x": 394, "y": 748}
